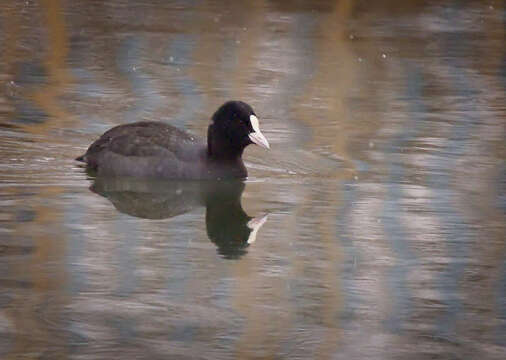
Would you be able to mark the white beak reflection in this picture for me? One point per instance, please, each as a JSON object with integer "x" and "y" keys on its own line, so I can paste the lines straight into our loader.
{"x": 255, "y": 224}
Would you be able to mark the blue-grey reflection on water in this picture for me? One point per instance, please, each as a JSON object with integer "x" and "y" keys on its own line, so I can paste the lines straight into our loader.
{"x": 29, "y": 74}
{"x": 178, "y": 57}
{"x": 130, "y": 53}
{"x": 385, "y": 185}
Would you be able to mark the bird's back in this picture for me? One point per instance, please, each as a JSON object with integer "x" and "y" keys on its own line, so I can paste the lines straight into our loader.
{"x": 148, "y": 149}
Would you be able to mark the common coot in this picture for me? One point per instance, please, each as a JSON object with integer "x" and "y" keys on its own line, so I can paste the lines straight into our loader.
{"x": 150, "y": 149}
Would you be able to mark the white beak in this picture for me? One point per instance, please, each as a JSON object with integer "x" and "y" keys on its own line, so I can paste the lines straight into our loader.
{"x": 259, "y": 139}
{"x": 256, "y": 136}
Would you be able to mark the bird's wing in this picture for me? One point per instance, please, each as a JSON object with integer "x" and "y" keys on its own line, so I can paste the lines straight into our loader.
{"x": 145, "y": 139}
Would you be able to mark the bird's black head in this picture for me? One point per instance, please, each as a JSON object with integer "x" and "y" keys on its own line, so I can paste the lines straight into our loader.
{"x": 234, "y": 126}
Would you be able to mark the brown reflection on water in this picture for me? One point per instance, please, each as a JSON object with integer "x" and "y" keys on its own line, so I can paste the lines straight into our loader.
{"x": 39, "y": 299}
{"x": 47, "y": 96}
{"x": 35, "y": 311}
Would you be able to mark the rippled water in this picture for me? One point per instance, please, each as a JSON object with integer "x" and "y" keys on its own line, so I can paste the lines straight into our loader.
{"x": 374, "y": 228}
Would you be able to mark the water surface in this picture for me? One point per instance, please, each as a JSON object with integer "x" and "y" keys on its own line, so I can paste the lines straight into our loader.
{"x": 384, "y": 190}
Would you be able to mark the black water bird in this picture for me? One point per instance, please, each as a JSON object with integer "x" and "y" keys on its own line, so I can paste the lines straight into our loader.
{"x": 157, "y": 150}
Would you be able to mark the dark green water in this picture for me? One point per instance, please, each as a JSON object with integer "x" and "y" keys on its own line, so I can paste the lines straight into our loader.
{"x": 384, "y": 190}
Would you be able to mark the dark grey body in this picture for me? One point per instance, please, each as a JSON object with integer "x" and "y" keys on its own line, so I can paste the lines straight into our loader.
{"x": 157, "y": 150}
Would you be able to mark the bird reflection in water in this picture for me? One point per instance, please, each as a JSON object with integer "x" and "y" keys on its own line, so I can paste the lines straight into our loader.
{"x": 228, "y": 226}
